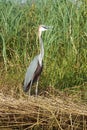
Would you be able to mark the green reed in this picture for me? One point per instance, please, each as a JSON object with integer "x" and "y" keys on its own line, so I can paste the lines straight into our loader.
{"x": 65, "y": 61}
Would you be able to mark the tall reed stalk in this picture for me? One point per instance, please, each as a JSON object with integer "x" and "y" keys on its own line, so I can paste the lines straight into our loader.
{"x": 65, "y": 61}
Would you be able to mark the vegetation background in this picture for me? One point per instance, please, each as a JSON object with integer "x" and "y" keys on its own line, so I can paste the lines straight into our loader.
{"x": 65, "y": 60}
{"x": 65, "y": 64}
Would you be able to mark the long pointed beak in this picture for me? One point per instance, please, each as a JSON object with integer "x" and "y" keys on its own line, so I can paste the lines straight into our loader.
{"x": 50, "y": 27}
{"x": 47, "y": 27}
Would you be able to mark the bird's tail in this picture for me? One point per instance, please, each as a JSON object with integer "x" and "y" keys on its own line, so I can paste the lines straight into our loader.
{"x": 25, "y": 87}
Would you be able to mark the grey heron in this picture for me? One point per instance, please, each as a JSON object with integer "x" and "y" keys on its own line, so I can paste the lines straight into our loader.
{"x": 35, "y": 68}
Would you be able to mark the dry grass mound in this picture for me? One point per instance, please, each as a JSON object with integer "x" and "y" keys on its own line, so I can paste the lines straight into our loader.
{"x": 44, "y": 113}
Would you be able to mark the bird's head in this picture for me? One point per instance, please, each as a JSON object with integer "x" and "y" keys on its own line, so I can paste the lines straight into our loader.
{"x": 43, "y": 28}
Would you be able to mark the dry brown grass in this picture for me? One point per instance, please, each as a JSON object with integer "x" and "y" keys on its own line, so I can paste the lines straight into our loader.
{"x": 43, "y": 112}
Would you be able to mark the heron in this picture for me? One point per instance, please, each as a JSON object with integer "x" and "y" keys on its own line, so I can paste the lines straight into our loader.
{"x": 35, "y": 68}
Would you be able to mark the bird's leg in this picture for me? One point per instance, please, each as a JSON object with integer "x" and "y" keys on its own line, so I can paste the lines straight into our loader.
{"x": 30, "y": 89}
{"x": 36, "y": 91}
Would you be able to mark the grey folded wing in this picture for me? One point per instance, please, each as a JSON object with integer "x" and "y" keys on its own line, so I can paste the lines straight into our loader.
{"x": 30, "y": 72}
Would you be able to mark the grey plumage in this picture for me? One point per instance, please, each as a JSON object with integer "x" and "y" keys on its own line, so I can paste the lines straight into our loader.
{"x": 35, "y": 68}
{"x": 30, "y": 72}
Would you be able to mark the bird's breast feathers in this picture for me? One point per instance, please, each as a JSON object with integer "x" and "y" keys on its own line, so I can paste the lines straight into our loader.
{"x": 40, "y": 59}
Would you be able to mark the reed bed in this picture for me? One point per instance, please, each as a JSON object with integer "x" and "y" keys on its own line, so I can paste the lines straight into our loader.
{"x": 50, "y": 112}
{"x": 65, "y": 59}
{"x": 65, "y": 64}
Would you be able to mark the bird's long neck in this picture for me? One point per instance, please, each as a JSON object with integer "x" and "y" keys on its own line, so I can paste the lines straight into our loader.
{"x": 41, "y": 46}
